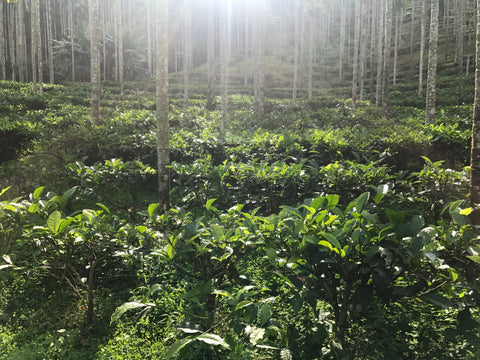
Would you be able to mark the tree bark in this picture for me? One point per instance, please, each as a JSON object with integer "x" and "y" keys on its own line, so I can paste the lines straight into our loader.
{"x": 121, "y": 68}
{"x": 460, "y": 33}
{"x": 224, "y": 66}
{"x": 162, "y": 100}
{"x": 211, "y": 55}
{"x": 386, "y": 55}
{"x": 432, "y": 65}
{"x": 3, "y": 55}
{"x": 475, "y": 150}
{"x": 356, "y": 46}
{"x": 296, "y": 45}
{"x": 380, "y": 43}
{"x": 422, "y": 46}
{"x": 95, "y": 33}
{"x": 187, "y": 50}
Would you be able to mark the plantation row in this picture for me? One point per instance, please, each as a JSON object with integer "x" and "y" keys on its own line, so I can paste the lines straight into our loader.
{"x": 316, "y": 234}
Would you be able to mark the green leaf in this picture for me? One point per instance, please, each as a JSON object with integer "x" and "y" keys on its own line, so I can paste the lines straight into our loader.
{"x": 466, "y": 211}
{"x": 122, "y": 309}
{"x": 285, "y": 354}
{"x": 332, "y": 201}
{"x": 209, "y": 205}
{"x": 213, "y": 339}
{"x": 4, "y": 191}
{"x": 38, "y": 192}
{"x": 217, "y": 232}
{"x": 177, "y": 346}
{"x": 292, "y": 210}
{"x": 69, "y": 192}
{"x": 381, "y": 192}
{"x": 141, "y": 229}
{"x": 438, "y": 299}
{"x": 104, "y": 208}
{"x": 255, "y": 334}
{"x": 358, "y": 204}
{"x": 152, "y": 208}
{"x": 326, "y": 244}
{"x": 33, "y": 208}
{"x": 54, "y": 221}
{"x": 243, "y": 304}
{"x": 265, "y": 314}
{"x": 271, "y": 253}
{"x": 332, "y": 240}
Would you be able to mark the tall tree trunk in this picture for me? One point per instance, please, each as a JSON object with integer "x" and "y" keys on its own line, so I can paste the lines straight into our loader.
{"x": 211, "y": 55}
{"x": 72, "y": 37}
{"x": 460, "y": 33}
{"x": 432, "y": 65}
{"x": 310, "y": 54}
{"x": 38, "y": 40}
{"x": 247, "y": 42}
{"x": 95, "y": 33}
{"x": 386, "y": 56}
{"x": 475, "y": 150}
{"x": 380, "y": 52}
{"x": 12, "y": 30}
{"x": 398, "y": 19}
{"x": 50, "y": 25}
{"x": 422, "y": 46}
{"x": 297, "y": 40}
{"x": 412, "y": 32}
{"x": 121, "y": 68}
{"x": 163, "y": 127}
{"x": 223, "y": 66}
{"x": 259, "y": 60}
{"x": 342, "y": 37}
{"x": 3, "y": 57}
{"x": 187, "y": 50}
{"x": 33, "y": 43}
{"x": 21, "y": 43}
{"x": 149, "y": 38}
{"x": 363, "y": 46}
{"x": 356, "y": 46}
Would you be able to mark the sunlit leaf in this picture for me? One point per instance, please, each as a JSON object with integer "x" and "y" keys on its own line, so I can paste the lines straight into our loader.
{"x": 38, "y": 192}
{"x": 152, "y": 208}
{"x": 4, "y": 191}
{"x": 209, "y": 204}
{"x": 213, "y": 339}
{"x": 54, "y": 221}
{"x": 122, "y": 309}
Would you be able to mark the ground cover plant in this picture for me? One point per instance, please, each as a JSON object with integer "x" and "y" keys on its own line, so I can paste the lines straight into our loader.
{"x": 333, "y": 234}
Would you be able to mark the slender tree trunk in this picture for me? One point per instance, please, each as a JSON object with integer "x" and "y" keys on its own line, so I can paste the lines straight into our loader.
{"x": 21, "y": 43}
{"x": 211, "y": 55}
{"x": 460, "y": 32}
{"x": 311, "y": 55}
{"x": 260, "y": 62}
{"x": 50, "y": 26}
{"x": 149, "y": 38}
{"x": 396, "y": 44}
{"x": 363, "y": 47}
{"x": 386, "y": 56}
{"x": 121, "y": 68}
{"x": 90, "y": 291}
{"x": 33, "y": 43}
{"x": 432, "y": 65}
{"x": 356, "y": 45}
{"x": 247, "y": 42}
{"x": 475, "y": 149}
{"x": 187, "y": 50}
{"x": 163, "y": 127}
{"x": 95, "y": 33}
{"x": 295, "y": 65}
{"x": 3, "y": 57}
{"x": 72, "y": 37}
{"x": 422, "y": 46}
{"x": 380, "y": 46}
{"x": 12, "y": 30}
{"x": 224, "y": 66}
{"x": 412, "y": 32}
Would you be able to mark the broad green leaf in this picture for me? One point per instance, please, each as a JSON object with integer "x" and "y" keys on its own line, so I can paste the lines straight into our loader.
{"x": 4, "y": 191}
{"x": 33, "y": 208}
{"x": 271, "y": 253}
{"x": 217, "y": 232}
{"x": 453, "y": 274}
{"x": 332, "y": 240}
{"x": 209, "y": 205}
{"x": 152, "y": 208}
{"x": 474, "y": 258}
{"x": 358, "y": 204}
{"x": 190, "y": 328}
{"x": 122, "y": 309}
{"x": 265, "y": 314}
{"x": 466, "y": 211}
{"x": 395, "y": 217}
{"x": 38, "y": 192}
{"x": 381, "y": 192}
{"x": 285, "y": 354}
{"x": 255, "y": 334}
{"x": 332, "y": 201}
{"x": 66, "y": 195}
{"x": 243, "y": 304}
{"x": 292, "y": 210}
{"x": 213, "y": 339}
{"x": 141, "y": 229}
{"x": 317, "y": 202}
{"x": 64, "y": 224}
{"x": 177, "y": 346}
{"x": 89, "y": 214}
{"x": 54, "y": 221}
{"x": 326, "y": 244}
{"x": 104, "y": 208}
{"x": 438, "y": 299}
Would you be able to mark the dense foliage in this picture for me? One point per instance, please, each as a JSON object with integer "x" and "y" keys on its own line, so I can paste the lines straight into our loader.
{"x": 319, "y": 233}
